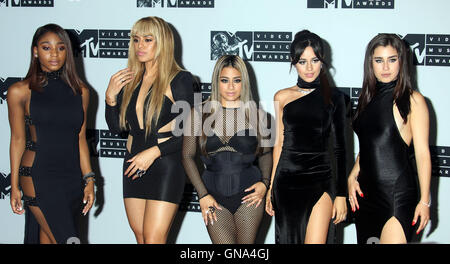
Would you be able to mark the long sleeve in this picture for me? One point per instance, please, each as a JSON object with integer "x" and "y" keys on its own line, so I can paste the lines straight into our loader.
{"x": 112, "y": 114}
{"x": 338, "y": 131}
{"x": 189, "y": 151}
{"x": 265, "y": 160}
{"x": 183, "y": 92}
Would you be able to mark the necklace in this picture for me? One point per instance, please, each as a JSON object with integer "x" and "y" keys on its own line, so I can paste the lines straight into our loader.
{"x": 305, "y": 91}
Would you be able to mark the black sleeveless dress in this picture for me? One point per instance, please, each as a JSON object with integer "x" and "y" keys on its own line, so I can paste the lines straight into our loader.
{"x": 386, "y": 175}
{"x": 165, "y": 179}
{"x": 304, "y": 169}
{"x": 57, "y": 115}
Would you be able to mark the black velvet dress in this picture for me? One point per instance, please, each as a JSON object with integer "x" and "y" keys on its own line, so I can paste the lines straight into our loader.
{"x": 55, "y": 122}
{"x": 386, "y": 175}
{"x": 165, "y": 179}
{"x": 304, "y": 169}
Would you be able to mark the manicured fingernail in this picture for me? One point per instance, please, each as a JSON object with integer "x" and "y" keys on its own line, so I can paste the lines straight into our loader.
{"x": 413, "y": 222}
{"x": 84, "y": 201}
{"x": 362, "y": 195}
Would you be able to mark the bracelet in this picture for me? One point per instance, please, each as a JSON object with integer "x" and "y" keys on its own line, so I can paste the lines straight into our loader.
{"x": 88, "y": 181}
{"x": 89, "y": 177}
{"x": 427, "y": 204}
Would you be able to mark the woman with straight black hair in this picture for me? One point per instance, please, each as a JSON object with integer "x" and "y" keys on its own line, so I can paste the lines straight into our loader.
{"x": 301, "y": 194}
{"x": 48, "y": 151}
{"x": 389, "y": 118}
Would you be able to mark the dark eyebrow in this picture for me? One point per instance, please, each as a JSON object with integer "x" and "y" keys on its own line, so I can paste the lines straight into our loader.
{"x": 390, "y": 57}
{"x": 48, "y": 42}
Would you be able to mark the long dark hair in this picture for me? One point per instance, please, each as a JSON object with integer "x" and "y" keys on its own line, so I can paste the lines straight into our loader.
{"x": 403, "y": 89}
{"x": 37, "y": 78}
{"x": 302, "y": 40}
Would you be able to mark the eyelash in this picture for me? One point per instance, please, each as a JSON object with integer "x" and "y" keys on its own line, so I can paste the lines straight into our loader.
{"x": 146, "y": 40}
{"x": 303, "y": 62}
{"x": 390, "y": 60}
{"x": 226, "y": 80}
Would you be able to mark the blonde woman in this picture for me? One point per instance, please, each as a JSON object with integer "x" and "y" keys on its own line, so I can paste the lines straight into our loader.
{"x": 230, "y": 136}
{"x": 139, "y": 100}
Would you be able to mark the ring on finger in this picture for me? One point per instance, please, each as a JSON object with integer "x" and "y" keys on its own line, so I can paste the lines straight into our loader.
{"x": 211, "y": 209}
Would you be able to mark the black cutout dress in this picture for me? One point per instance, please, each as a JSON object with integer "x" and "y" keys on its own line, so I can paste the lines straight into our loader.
{"x": 56, "y": 116}
{"x": 165, "y": 178}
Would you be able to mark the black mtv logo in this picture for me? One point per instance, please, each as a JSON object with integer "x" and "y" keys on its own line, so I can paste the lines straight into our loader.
{"x": 417, "y": 44}
{"x": 227, "y": 43}
{"x": 322, "y": 4}
{"x": 176, "y": 3}
{"x": 5, "y": 185}
{"x": 85, "y": 42}
{"x": 4, "y": 85}
{"x": 27, "y": 3}
{"x": 358, "y": 4}
{"x": 157, "y": 3}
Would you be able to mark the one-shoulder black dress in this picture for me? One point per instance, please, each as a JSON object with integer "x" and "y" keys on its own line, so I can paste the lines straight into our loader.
{"x": 304, "y": 169}
{"x": 165, "y": 179}
{"x": 386, "y": 175}
{"x": 56, "y": 117}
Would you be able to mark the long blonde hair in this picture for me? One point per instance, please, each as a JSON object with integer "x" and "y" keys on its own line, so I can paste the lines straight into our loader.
{"x": 165, "y": 62}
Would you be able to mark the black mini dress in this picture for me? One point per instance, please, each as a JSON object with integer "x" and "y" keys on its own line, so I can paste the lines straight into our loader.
{"x": 165, "y": 179}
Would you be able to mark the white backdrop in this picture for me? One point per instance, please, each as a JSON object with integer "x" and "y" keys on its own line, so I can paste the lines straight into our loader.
{"x": 345, "y": 25}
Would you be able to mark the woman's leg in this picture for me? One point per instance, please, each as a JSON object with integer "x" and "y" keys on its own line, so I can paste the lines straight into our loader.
{"x": 247, "y": 220}
{"x": 222, "y": 231}
{"x": 157, "y": 221}
{"x": 135, "y": 209}
{"x": 392, "y": 232}
{"x": 319, "y": 221}
{"x": 45, "y": 234}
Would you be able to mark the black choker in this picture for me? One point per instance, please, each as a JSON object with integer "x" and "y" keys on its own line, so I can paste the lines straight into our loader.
{"x": 308, "y": 85}
{"x": 53, "y": 75}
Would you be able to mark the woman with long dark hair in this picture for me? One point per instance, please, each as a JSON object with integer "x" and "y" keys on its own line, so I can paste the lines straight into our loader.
{"x": 48, "y": 151}
{"x": 307, "y": 114}
{"x": 389, "y": 118}
{"x": 140, "y": 99}
{"x": 230, "y": 133}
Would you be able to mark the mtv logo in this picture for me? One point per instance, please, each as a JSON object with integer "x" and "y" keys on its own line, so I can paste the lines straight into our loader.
{"x": 227, "y": 43}
{"x": 85, "y": 42}
{"x": 5, "y": 185}
{"x": 347, "y": 4}
{"x": 417, "y": 44}
{"x": 155, "y": 3}
{"x": 322, "y": 4}
{"x": 4, "y": 85}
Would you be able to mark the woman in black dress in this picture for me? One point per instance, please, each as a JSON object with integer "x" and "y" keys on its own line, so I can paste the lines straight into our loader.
{"x": 139, "y": 100}
{"x": 307, "y": 114}
{"x": 229, "y": 131}
{"x": 49, "y": 153}
{"x": 390, "y": 116}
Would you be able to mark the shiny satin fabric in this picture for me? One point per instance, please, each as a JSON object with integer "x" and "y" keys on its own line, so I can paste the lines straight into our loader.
{"x": 386, "y": 176}
{"x": 304, "y": 172}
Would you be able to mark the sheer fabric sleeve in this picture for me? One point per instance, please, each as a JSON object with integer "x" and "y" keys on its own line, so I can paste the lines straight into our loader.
{"x": 338, "y": 131}
{"x": 112, "y": 114}
{"x": 265, "y": 160}
{"x": 190, "y": 137}
{"x": 183, "y": 94}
